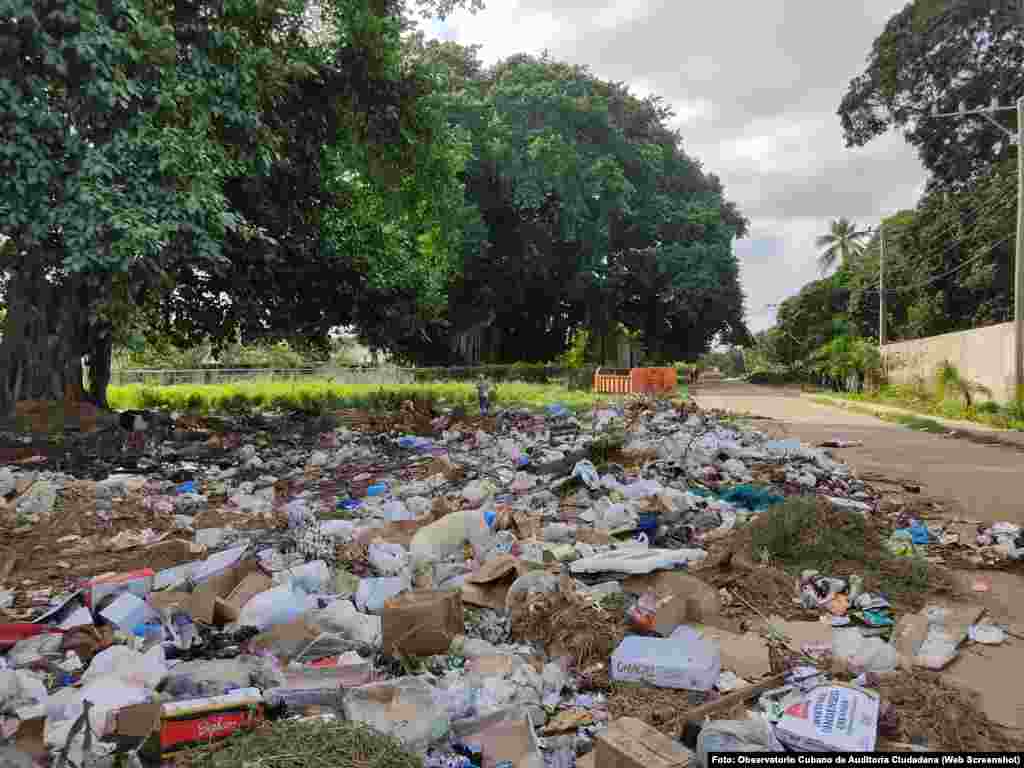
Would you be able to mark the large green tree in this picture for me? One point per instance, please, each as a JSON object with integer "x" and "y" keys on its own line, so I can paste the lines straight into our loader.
{"x": 941, "y": 53}
{"x": 588, "y": 212}
{"x": 128, "y": 129}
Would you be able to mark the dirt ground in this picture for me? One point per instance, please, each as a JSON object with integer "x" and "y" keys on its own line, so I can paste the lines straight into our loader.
{"x": 972, "y": 481}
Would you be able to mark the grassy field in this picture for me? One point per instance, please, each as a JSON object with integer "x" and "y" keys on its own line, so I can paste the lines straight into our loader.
{"x": 313, "y": 395}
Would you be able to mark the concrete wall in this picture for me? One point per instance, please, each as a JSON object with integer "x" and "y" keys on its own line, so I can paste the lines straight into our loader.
{"x": 982, "y": 355}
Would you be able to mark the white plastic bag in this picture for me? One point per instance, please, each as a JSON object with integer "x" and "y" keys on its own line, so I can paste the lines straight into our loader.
{"x": 342, "y": 617}
{"x": 141, "y": 670}
{"x": 388, "y": 559}
{"x": 372, "y": 593}
{"x": 394, "y": 511}
{"x": 280, "y": 605}
{"x": 312, "y": 577}
{"x": 753, "y": 735}
{"x": 864, "y": 654}
{"x": 20, "y": 689}
{"x": 940, "y": 646}
{"x": 641, "y": 489}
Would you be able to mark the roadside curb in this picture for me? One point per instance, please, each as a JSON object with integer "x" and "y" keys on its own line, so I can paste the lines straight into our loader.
{"x": 963, "y": 429}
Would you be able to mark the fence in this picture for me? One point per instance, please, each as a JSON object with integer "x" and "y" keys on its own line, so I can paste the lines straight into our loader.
{"x": 982, "y": 355}
{"x": 635, "y": 380}
{"x": 167, "y": 377}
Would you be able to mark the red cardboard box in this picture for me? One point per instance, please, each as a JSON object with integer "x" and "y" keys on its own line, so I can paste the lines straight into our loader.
{"x": 181, "y": 724}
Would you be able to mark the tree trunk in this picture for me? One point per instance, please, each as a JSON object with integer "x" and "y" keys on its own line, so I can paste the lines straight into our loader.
{"x": 100, "y": 355}
{"x": 44, "y": 334}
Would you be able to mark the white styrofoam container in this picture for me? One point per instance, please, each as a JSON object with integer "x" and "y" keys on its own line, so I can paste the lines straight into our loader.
{"x": 686, "y": 663}
{"x": 832, "y": 718}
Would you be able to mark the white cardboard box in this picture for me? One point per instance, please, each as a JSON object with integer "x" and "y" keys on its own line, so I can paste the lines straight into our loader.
{"x": 686, "y": 663}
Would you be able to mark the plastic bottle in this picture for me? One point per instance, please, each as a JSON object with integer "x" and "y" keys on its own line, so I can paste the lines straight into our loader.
{"x": 446, "y": 537}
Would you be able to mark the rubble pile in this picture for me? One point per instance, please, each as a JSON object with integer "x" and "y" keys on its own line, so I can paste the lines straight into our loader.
{"x": 487, "y": 590}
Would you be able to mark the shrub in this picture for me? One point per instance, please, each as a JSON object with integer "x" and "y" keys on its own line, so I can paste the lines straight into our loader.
{"x": 581, "y": 378}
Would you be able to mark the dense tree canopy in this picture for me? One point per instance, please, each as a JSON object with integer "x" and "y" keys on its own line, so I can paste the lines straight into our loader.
{"x": 588, "y": 212}
{"x": 941, "y": 53}
{"x": 136, "y": 137}
{"x": 257, "y": 170}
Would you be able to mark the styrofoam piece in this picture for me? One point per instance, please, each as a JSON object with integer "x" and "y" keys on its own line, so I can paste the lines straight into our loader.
{"x": 638, "y": 561}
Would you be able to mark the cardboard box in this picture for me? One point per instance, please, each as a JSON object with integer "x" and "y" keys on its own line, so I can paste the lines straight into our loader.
{"x": 138, "y": 583}
{"x": 422, "y": 623}
{"x": 210, "y": 603}
{"x": 489, "y": 586}
{"x": 507, "y": 735}
{"x": 170, "y": 727}
{"x": 686, "y": 662}
{"x": 632, "y": 743}
{"x": 229, "y": 608}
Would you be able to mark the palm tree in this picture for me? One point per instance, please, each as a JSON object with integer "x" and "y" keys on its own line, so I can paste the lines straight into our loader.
{"x": 842, "y": 242}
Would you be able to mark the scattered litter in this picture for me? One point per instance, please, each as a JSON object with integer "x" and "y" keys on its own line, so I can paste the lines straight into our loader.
{"x": 441, "y": 587}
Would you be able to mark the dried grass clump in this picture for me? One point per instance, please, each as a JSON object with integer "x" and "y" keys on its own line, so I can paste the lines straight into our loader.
{"x": 572, "y": 626}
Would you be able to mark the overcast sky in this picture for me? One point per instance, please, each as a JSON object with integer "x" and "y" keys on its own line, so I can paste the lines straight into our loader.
{"x": 755, "y": 85}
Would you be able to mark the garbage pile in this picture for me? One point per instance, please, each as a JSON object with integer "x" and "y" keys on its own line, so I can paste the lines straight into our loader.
{"x": 480, "y": 596}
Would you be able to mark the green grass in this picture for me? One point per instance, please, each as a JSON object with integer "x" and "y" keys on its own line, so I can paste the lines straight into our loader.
{"x": 320, "y": 395}
{"x": 988, "y": 413}
{"x": 802, "y": 533}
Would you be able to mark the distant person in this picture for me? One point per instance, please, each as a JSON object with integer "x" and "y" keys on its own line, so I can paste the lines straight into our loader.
{"x": 483, "y": 391}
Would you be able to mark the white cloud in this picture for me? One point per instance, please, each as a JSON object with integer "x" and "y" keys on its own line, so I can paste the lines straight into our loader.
{"x": 755, "y": 87}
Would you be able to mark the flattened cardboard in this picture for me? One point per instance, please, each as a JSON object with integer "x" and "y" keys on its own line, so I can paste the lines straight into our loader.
{"x": 399, "y": 531}
{"x": 746, "y": 654}
{"x": 489, "y": 586}
{"x": 493, "y": 665}
{"x": 137, "y": 721}
{"x": 228, "y": 609}
{"x": 908, "y": 636}
{"x": 422, "y": 622}
{"x": 171, "y": 599}
{"x": 30, "y": 738}
{"x": 286, "y": 640}
{"x": 632, "y": 743}
{"x": 593, "y": 537}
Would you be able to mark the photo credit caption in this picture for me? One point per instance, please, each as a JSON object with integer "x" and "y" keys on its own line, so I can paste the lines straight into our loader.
{"x": 862, "y": 758}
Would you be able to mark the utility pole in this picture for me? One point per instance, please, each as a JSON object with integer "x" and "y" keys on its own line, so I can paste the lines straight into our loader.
{"x": 1018, "y": 273}
{"x": 881, "y": 286}
{"x": 1018, "y": 269}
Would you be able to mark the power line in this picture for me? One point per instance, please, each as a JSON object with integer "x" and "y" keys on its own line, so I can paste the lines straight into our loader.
{"x": 984, "y": 252}
{"x": 958, "y": 241}
{"x": 991, "y": 207}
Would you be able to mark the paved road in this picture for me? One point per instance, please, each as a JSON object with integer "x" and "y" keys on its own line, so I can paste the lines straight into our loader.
{"x": 976, "y": 482}
{"x": 972, "y": 481}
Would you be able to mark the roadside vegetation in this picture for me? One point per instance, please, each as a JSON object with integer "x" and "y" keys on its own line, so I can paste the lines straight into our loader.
{"x": 320, "y": 395}
{"x": 950, "y": 396}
